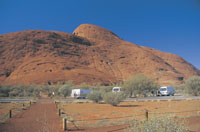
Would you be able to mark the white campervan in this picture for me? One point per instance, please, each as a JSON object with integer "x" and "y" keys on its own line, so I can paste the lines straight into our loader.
{"x": 166, "y": 91}
{"x": 80, "y": 93}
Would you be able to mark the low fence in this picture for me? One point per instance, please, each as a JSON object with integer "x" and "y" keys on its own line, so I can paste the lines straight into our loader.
{"x": 146, "y": 115}
{"x": 13, "y": 111}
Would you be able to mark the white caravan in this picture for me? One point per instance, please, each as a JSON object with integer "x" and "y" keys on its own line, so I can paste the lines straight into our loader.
{"x": 166, "y": 91}
{"x": 116, "y": 89}
{"x": 80, "y": 93}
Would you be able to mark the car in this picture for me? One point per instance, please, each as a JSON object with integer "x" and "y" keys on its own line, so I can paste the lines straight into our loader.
{"x": 116, "y": 89}
{"x": 166, "y": 91}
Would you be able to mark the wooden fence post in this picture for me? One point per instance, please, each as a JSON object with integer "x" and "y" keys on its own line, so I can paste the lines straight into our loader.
{"x": 59, "y": 112}
{"x": 64, "y": 124}
{"x": 147, "y": 115}
{"x": 23, "y": 106}
{"x": 10, "y": 113}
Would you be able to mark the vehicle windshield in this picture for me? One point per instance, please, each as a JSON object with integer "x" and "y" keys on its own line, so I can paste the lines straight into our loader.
{"x": 163, "y": 89}
{"x": 115, "y": 90}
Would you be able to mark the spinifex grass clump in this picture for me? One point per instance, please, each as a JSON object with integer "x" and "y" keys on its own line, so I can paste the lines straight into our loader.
{"x": 157, "y": 124}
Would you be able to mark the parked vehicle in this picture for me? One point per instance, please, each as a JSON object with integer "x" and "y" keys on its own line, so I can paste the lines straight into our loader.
{"x": 116, "y": 89}
{"x": 80, "y": 93}
{"x": 166, "y": 91}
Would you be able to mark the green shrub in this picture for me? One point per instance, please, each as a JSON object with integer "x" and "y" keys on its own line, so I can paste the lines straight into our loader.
{"x": 3, "y": 95}
{"x": 180, "y": 89}
{"x": 36, "y": 92}
{"x": 139, "y": 84}
{"x": 114, "y": 98}
{"x": 192, "y": 85}
{"x": 16, "y": 91}
{"x": 66, "y": 89}
{"x": 157, "y": 124}
{"x": 96, "y": 96}
{"x": 4, "y": 91}
{"x": 22, "y": 90}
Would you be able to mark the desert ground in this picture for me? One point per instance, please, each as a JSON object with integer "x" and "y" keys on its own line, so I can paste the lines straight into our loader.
{"x": 89, "y": 117}
{"x": 101, "y": 115}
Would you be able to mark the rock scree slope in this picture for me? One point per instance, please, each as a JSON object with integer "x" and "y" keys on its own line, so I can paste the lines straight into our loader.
{"x": 91, "y": 54}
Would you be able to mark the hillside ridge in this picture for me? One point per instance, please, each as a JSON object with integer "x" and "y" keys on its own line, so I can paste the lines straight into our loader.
{"x": 91, "y": 54}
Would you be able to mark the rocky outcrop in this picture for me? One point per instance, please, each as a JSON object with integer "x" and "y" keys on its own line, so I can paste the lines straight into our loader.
{"x": 90, "y": 54}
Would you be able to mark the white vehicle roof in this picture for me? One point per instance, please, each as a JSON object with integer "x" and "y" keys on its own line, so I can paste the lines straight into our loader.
{"x": 166, "y": 87}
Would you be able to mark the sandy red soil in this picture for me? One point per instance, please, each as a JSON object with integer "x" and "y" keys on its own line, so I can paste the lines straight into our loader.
{"x": 107, "y": 117}
{"x": 43, "y": 116}
{"x": 193, "y": 124}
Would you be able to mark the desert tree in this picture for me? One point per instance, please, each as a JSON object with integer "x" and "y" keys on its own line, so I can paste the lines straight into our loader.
{"x": 192, "y": 85}
{"x": 139, "y": 84}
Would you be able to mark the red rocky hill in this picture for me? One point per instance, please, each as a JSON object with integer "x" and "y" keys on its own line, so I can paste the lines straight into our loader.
{"x": 91, "y": 54}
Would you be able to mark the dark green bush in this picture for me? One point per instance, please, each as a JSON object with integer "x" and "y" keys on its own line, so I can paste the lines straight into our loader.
{"x": 3, "y": 95}
{"x": 16, "y": 91}
{"x": 19, "y": 91}
{"x": 4, "y": 91}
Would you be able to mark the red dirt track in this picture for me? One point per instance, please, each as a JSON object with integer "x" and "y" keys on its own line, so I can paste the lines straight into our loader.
{"x": 40, "y": 117}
